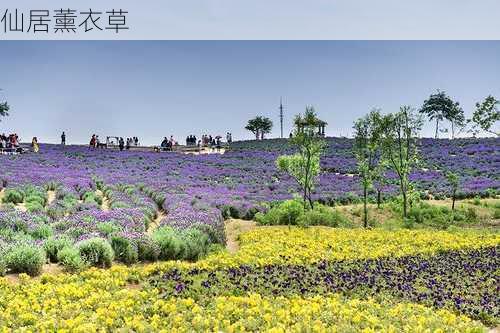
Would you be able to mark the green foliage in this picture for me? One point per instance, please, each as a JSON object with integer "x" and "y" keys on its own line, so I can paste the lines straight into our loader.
{"x": 69, "y": 257}
{"x": 291, "y": 212}
{"x": 42, "y": 231}
{"x": 169, "y": 243}
{"x": 4, "y": 110}
{"x": 191, "y": 244}
{"x": 285, "y": 213}
{"x": 33, "y": 207}
{"x": 147, "y": 249}
{"x": 25, "y": 258}
{"x": 367, "y": 141}
{"x": 107, "y": 228}
{"x": 125, "y": 251}
{"x": 439, "y": 107}
{"x": 304, "y": 166}
{"x": 13, "y": 196}
{"x": 486, "y": 116}
{"x": 197, "y": 244}
{"x": 52, "y": 246}
{"x": 96, "y": 252}
{"x": 399, "y": 147}
{"x": 439, "y": 217}
{"x": 3, "y": 267}
{"x": 322, "y": 215}
{"x": 91, "y": 197}
{"x": 260, "y": 126}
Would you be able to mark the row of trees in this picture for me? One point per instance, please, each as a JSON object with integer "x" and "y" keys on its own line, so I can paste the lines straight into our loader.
{"x": 439, "y": 107}
{"x": 387, "y": 142}
{"x": 382, "y": 143}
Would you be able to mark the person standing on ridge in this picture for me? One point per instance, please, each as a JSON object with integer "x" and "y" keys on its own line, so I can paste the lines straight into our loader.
{"x": 63, "y": 139}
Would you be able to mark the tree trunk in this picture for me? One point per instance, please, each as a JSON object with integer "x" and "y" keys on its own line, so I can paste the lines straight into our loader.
{"x": 405, "y": 205}
{"x": 437, "y": 128}
{"x": 452, "y": 130}
{"x": 379, "y": 195}
{"x": 309, "y": 197}
{"x": 365, "y": 208}
{"x": 453, "y": 198}
{"x": 256, "y": 135}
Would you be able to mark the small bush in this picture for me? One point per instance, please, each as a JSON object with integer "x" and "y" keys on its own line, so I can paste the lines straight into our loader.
{"x": 25, "y": 258}
{"x": 52, "y": 246}
{"x": 285, "y": 213}
{"x": 124, "y": 250}
{"x": 108, "y": 228}
{"x": 13, "y": 196}
{"x": 33, "y": 207}
{"x": 197, "y": 244}
{"x": 147, "y": 249}
{"x": 96, "y": 252}
{"x": 35, "y": 199}
{"x": 42, "y": 231}
{"x": 168, "y": 241}
{"x": 322, "y": 215}
{"x": 496, "y": 213}
{"x": 69, "y": 257}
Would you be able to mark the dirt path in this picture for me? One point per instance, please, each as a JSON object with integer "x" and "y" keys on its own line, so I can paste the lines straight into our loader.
{"x": 160, "y": 214}
{"x": 2, "y": 191}
{"x": 234, "y": 228}
{"x": 50, "y": 269}
{"x": 51, "y": 196}
{"x": 105, "y": 201}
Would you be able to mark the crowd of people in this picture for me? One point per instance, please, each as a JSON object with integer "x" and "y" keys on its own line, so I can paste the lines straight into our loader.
{"x": 10, "y": 141}
{"x": 96, "y": 143}
{"x": 167, "y": 144}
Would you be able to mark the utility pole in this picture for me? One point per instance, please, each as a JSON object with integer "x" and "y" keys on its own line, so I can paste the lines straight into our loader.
{"x": 281, "y": 116}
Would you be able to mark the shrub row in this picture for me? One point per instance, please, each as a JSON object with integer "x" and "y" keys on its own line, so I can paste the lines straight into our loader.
{"x": 165, "y": 244}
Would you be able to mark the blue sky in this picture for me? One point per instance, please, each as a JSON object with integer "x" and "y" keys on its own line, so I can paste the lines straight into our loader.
{"x": 288, "y": 19}
{"x": 158, "y": 88}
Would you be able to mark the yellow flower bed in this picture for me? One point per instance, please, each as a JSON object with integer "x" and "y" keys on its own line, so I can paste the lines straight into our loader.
{"x": 90, "y": 307}
{"x": 270, "y": 245}
{"x": 97, "y": 299}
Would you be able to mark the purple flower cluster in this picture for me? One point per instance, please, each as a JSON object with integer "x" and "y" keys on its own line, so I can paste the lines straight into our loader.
{"x": 464, "y": 281}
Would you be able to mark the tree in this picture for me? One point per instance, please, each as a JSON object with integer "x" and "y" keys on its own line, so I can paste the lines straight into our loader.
{"x": 367, "y": 150}
{"x": 4, "y": 109}
{"x": 486, "y": 115}
{"x": 399, "y": 147}
{"x": 304, "y": 166}
{"x": 454, "y": 181}
{"x": 259, "y": 126}
{"x": 253, "y": 126}
{"x": 440, "y": 107}
{"x": 266, "y": 125}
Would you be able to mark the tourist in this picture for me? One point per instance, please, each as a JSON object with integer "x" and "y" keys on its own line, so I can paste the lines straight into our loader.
{"x": 164, "y": 144}
{"x": 218, "y": 143}
{"x": 129, "y": 143}
{"x": 34, "y": 145}
{"x": 92, "y": 141}
{"x": 121, "y": 144}
{"x": 63, "y": 139}
{"x": 97, "y": 142}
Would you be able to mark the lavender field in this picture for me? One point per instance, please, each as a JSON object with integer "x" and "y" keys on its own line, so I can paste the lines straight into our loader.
{"x": 137, "y": 191}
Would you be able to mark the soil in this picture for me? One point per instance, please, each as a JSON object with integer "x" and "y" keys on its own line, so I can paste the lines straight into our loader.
{"x": 234, "y": 227}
